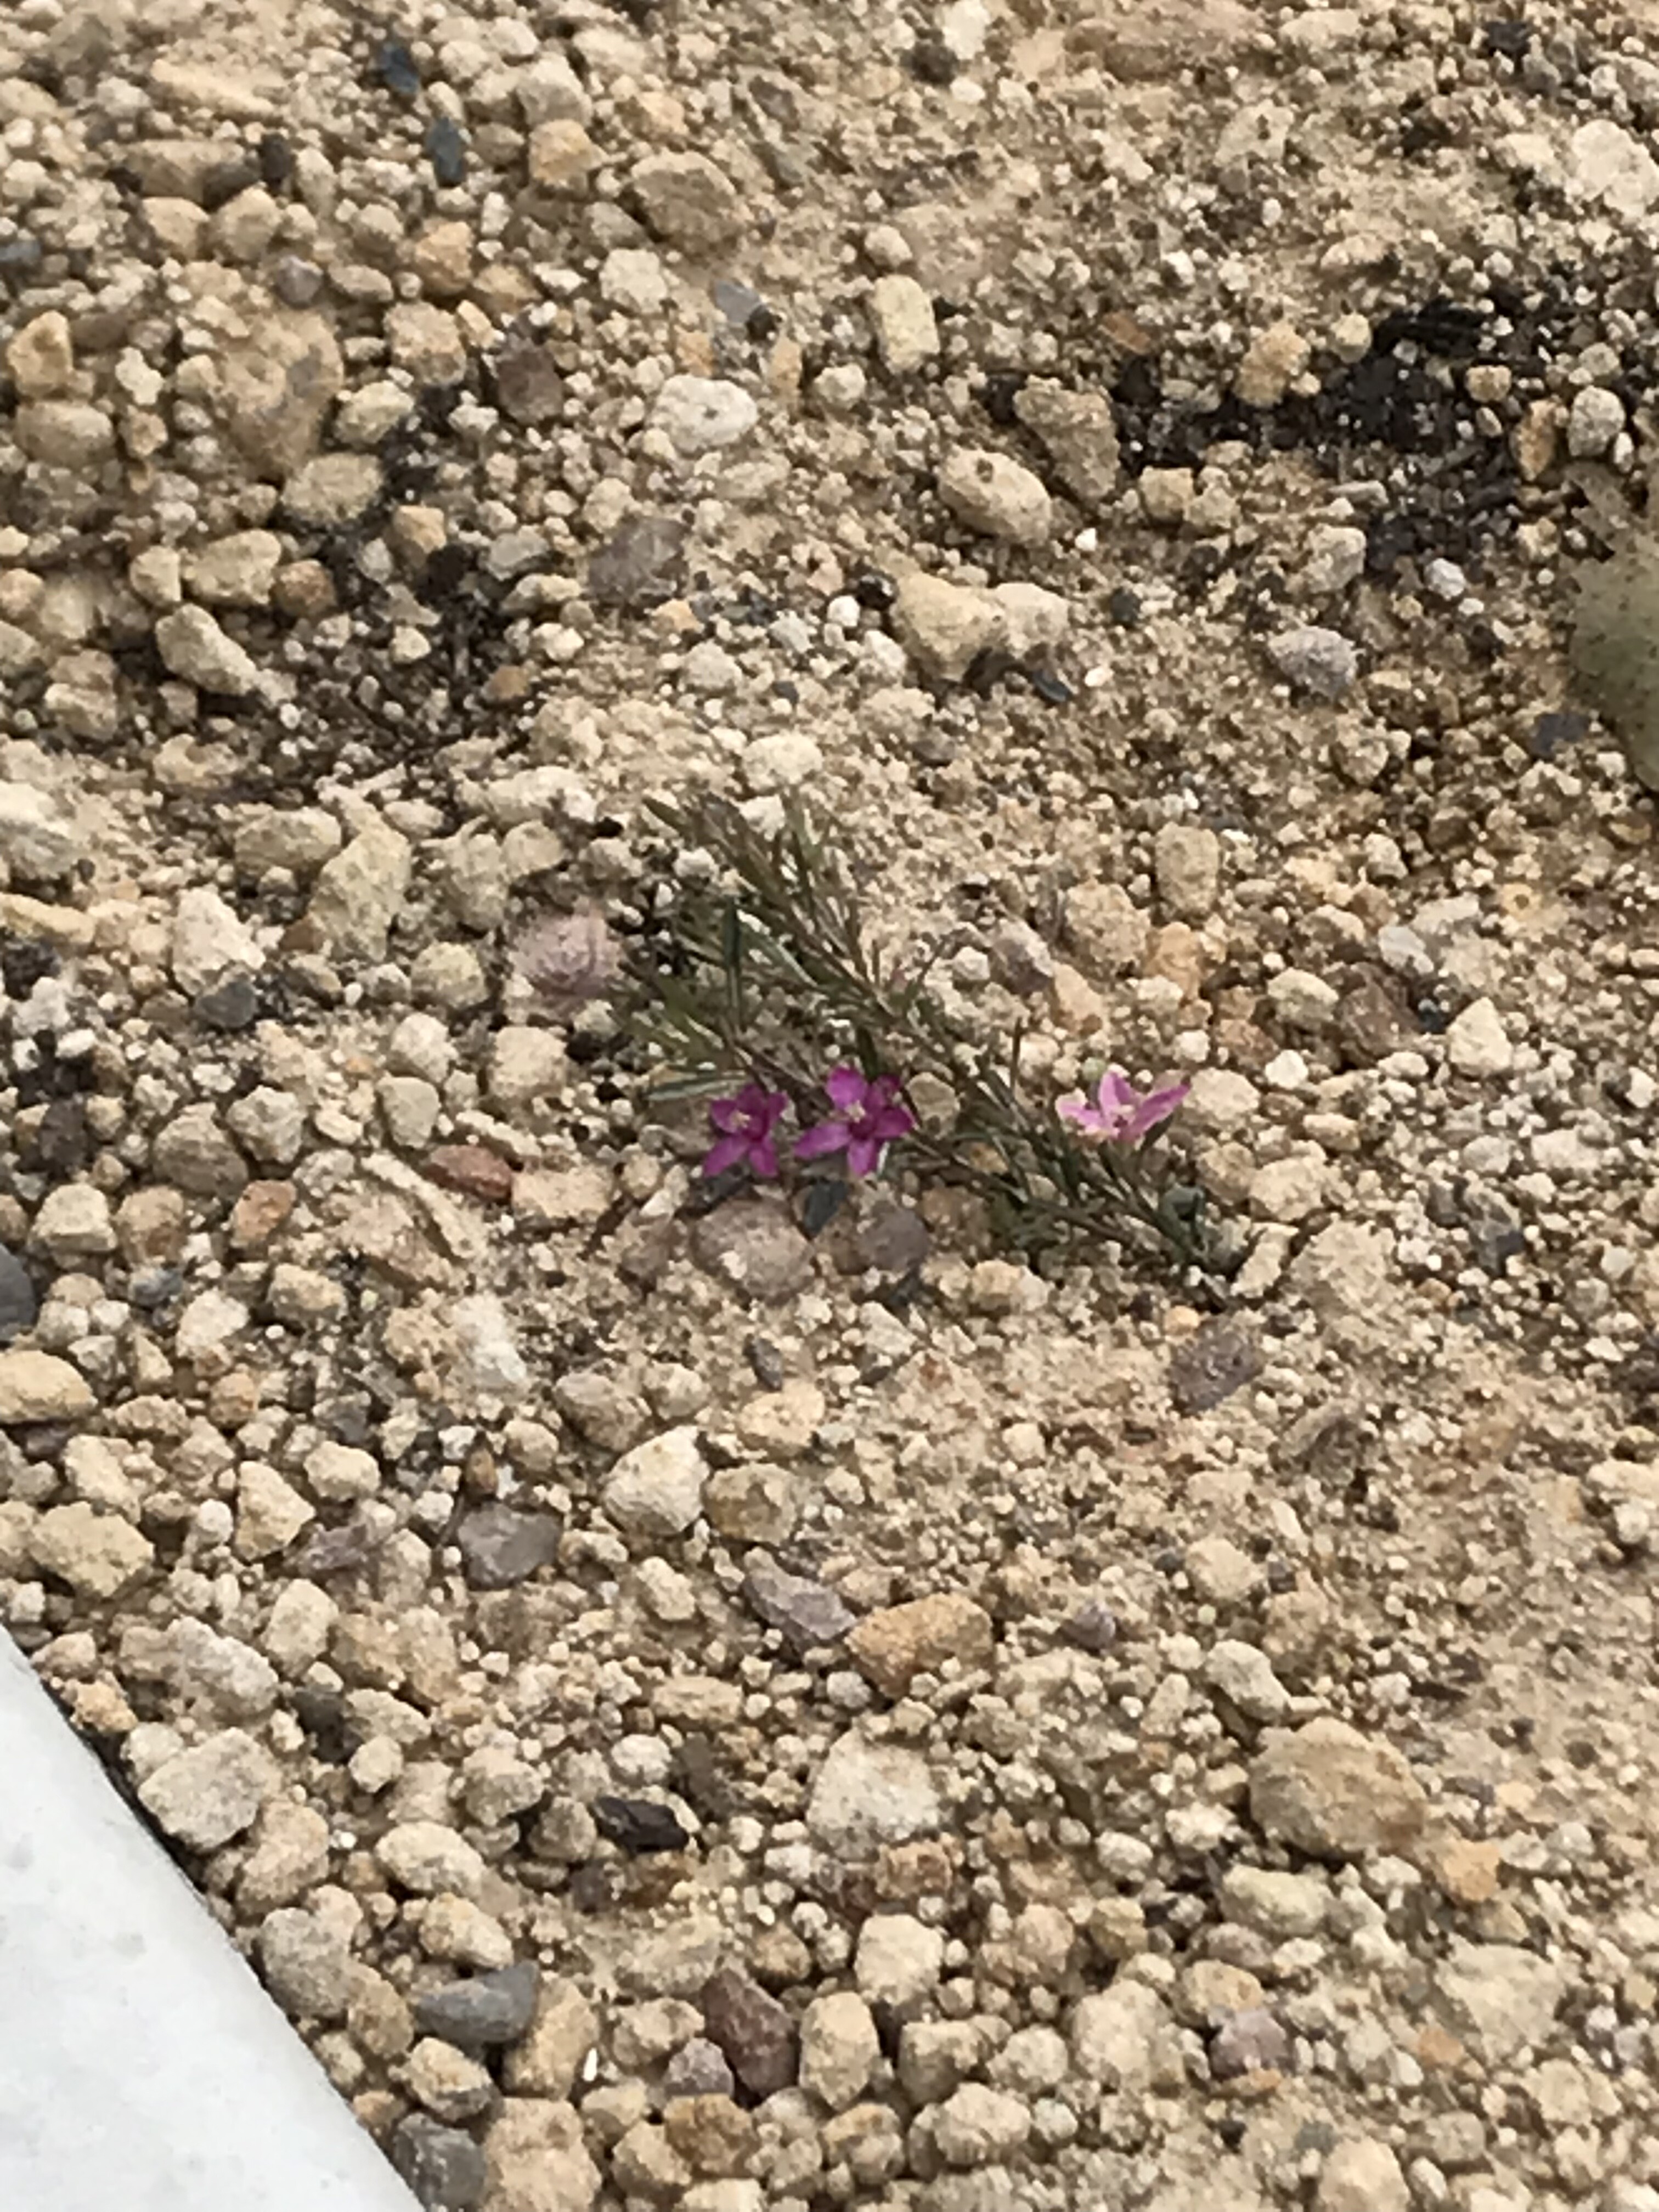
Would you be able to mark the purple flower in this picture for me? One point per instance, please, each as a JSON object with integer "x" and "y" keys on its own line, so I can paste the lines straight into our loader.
{"x": 867, "y": 1120}
{"x": 745, "y": 1122}
{"x": 1121, "y": 1113}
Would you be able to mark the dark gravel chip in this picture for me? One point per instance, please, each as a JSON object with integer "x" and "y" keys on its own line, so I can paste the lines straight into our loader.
{"x": 1249, "y": 2042}
{"x": 395, "y": 67}
{"x": 1551, "y": 732}
{"x": 20, "y": 257}
{"x": 894, "y": 1239}
{"x": 446, "y": 149}
{"x": 754, "y": 2031}
{"x": 639, "y": 564}
{"x": 18, "y": 1304}
{"x": 640, "y": 1824}
{"x": 225, "y": 180}
{"x": 444, "y": 2167}
{"x": 765, "y": 1362}
{"x": 1093, "y": 1627}
{"x": 807, "y": 1612}
{"x": 528, "y": 388}
{"x": 1217, "y": 1359}
{"x": 502, "y": 1546}
{"x": 230, "y": 1005}
{"x": 275, "y": 158}
{"x": 483, "y": 2010}
{"x": 1507, "y": 36}
{"x": 321, "y": 1714}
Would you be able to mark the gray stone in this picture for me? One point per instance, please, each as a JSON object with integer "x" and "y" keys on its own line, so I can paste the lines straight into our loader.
{"x": 444, "y": 2167}
{"x": 1499, "y": 1997}
{"x": 807, "y": 1612}
{"x": 698, "y": 2069}
{"x": 502, "y": 1546}
{"x": 1249, "y": 2042}
{"x": 1320, "y": 661}
{"x": 193, "y": 646}
{"x": 307, "y": 1963}
{"x": 753, "y": 1245}
{"x": 18, "y": 1304}
{"x": 485, "y": 2009}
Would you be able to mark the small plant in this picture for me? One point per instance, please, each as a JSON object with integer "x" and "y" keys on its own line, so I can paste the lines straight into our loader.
{"x": 764, "y": 993}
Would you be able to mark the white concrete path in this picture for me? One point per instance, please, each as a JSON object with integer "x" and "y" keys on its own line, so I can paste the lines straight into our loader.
{"x": 143, "y": 2068}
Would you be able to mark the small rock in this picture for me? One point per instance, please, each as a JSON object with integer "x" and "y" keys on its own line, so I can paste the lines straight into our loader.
{"x": 839, "y": 2048}
{"x": 869, "y": 1793}
{"x": 978, "y": 2126}
{"x": 307, "y": 1963}
{"x": 640, "y": 1824}
{"x": 1078, "y": 432}
{"x": 1477, "y": 1043}
{"x": 1335, "y": 1794}
{"x": 445, "y": 2169}
{"x": 894, "y": 1645}
{"x": 810, "y": 1614}
{"x": 360, "y": 892}
{"x": 486, "y": 2009}
{"x": 97, "y": 1555}
{"x": 990, "y": 493}
{"x": 204, "y": 1797}
{"x": 753, "y": 1245}
{"x": 902, "y": 315}
{"x": 754, "y": 2032}
{"x": 18, "y": 1307}
{"x": 193, "y": 647}
{"x": 1362, "y": 2175}
{"x": 332, "y": 489}
{"x": 656, "y": 1489}
{"x": 703, "y": 414}
{"x": 1320, "y": 661}
{"x": 502, "y": 1545}
{"x": 74, "y": 1222}
{"x": 210, "y": 940}
{"x": 1499, "y": 1997}
{"x": 945, "y": 626}
{"x": 899, "y": 1960}
{"x": 1249, "y": 2042}
{"x": 639, "y": 564}
{"x": 1275, "y": 358}
{"x": 687, "y": 200}
{"x": 1215, "y": 1361}
{"x": 37, "y": 841}
{"x": 427, "y": 1857}
{"x": 1186, "y": 861}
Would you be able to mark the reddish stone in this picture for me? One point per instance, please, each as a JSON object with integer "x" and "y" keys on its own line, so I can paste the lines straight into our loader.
{"x": 473, "y": 1170}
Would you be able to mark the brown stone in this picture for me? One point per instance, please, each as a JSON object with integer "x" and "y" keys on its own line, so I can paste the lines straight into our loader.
{"x": 259, "y": 1212}
{"x": 1464, "y": 1871}
{"x": 473, "y": 1170}
{"x": 901, "y": 1641}
{"x": 712, "y": 2134}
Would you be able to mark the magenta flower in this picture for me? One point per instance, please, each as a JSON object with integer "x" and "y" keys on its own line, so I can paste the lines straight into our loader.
{"x": 1120, "y": 1113}
{"x": 867, "y": 1120}
{"x": 744, "y": 1123}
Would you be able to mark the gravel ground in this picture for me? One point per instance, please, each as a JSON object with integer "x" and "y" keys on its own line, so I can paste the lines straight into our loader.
{"x": 678, "y": 1714}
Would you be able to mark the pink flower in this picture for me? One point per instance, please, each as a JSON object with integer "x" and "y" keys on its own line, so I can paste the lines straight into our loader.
{"x": 1120, "y": 1113}
{"x": 744, "y": 1123}
{"x": 867, "y": 1120}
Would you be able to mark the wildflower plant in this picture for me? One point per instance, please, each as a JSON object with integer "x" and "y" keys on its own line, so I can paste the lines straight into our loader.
{"x": 764, "y": 993}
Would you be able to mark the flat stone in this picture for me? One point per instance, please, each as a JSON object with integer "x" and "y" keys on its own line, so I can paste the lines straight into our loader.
{"x": 486, "y": 2009}
{"x": 98, "y": 1554}
{"x": 204, "y": 1797}
{"x": 35, "y": 1386}
{"x": 687, "y": 200}
{"x": 808, "y": 1613}
{"x": 502, "y": 1545}
{"x": 1332, "y": 1793}
{"x": 752, "y": 1245}
{"x": 869, "y": 1793}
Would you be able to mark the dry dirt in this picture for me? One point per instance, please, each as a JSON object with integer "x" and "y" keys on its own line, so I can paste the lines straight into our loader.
{"x": 679, "y": 1715}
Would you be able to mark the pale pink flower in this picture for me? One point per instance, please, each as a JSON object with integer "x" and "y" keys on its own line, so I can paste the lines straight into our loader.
{"x": 1120, "y": 1113}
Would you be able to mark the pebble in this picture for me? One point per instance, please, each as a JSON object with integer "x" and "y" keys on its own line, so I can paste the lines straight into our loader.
{"x": 1362, "y": 2175}
{"x": 810, "y": 1614}
{"x": 427, "y": 1859}
{"x": 35, "y": 1386}
{"x": 906, "y": 331}
{"x": 892, "y": 1646}
{"x": 944, "y": 626}
{"x": 703, "y": 414}
{"x": 1322, "y": 662}
{"x": 868, "y": 1794}
{"x": 839, "y": 2049}
{"x": 1249, "y": 2042}
{"x": 193, "y": 646}
{"x": 1499, "y": 1997}
{"x": 502, "y": 1546}
{"x": 444, "y": 2167}
{"x": 990, "y": 493}
{"x": 752, "y": 2030}
{"x": 37, "y": 841}
{"x": 484, "y": 2010}
{"x": 1334, "y": 1794}
{"x": 1477, "y": 1043}
{"x": 307, "y": 1963}
{"x": 204, "y": 1797}
{"x": 656, "y": 1489}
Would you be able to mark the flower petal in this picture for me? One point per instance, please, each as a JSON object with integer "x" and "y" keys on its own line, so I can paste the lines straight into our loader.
{"x": 1157, "y": 1106}
{"x": 725, "y": 1154}
{"x": 827, "y": 1137}
{"x": 1074, "y": 1107}
{"x": 774, "y": 1105}
{"x": 845, "y": 1089}
{"x": 864, "y": 1155}
{"x": 751, "y": 1100}
{"x": 892, "y": 1123}
{"x": 729, "y": 1115}
{"x": 763, "y": 1159}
